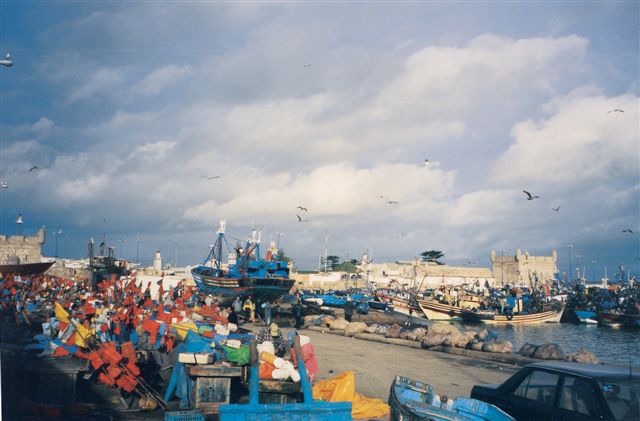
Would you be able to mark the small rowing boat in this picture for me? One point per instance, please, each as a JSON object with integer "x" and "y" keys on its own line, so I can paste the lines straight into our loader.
{"x": 412, "y": 400}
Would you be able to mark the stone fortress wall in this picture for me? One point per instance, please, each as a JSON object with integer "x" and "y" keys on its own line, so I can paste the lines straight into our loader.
{"x": 28, "y": 249}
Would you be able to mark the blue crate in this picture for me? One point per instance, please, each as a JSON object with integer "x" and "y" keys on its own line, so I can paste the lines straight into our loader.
{"x": 184, "y": 416}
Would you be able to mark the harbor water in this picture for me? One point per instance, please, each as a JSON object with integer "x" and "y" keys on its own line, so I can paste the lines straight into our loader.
{"x": 610, "y": 345}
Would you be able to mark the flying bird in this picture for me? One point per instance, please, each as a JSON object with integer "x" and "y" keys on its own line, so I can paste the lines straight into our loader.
{"x": 302, "y": 208}
{"x": 529, "y": 196}
{"x": 628, "y": 230}
{"x": 392, "y": 202}
{"x": 307, "y": 65}
{"x": 617, "y": 110}
{"x": 33, "y": 168}
{"x": 300, "y": 219}
{"x": 556, "y": 209}
{"x": 426, "y": 162}
{"x": 4, "y": 185}
{"x": 210, "y": 178}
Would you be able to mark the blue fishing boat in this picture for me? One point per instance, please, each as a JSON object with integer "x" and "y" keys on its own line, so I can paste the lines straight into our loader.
{"x": 245, "y": 274}
{"x": 412, "y": 400}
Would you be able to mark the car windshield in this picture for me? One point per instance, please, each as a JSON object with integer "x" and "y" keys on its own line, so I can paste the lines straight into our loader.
{"x": 623, "y": 398}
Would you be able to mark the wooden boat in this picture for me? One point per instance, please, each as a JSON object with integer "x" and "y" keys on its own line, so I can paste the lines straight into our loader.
{"x": 484, "y": 316}
{"x": 412, "y": 400}
{"x": 402, "y": 305}
{"x": 435, "y": 310}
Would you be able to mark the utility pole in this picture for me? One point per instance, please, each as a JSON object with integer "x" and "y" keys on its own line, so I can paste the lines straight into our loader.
{"x": 326, "y": 245}
{"x": 570, "y": 273}
{"x": 137, "y": 253}
{"x": 175, "y": 261}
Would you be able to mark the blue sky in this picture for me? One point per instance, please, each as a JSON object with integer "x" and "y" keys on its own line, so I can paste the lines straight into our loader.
{"x": 124, "y": 106}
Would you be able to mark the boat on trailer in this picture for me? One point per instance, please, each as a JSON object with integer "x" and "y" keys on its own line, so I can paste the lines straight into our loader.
{"x": 412, "y": 400}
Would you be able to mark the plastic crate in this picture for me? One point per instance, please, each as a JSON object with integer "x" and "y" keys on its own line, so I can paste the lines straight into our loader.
{"x": 184, "y": 416}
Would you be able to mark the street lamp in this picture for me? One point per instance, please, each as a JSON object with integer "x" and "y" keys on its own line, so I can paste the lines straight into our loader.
{"x": 175, "y": 261}
{"x": 58, "y": 234}
{"x": 570, "y": 273}
{"x": 137, "y": 253}
{"x": 502, "y": 265}
{"x": 6, "y": 61}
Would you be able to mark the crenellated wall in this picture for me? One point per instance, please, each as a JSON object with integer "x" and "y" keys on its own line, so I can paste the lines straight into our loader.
{"x": 27, "y": 248}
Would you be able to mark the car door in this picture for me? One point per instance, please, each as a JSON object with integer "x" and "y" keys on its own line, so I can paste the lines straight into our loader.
{"x": 578, "y": 400}
{"x": 533, "y": 398}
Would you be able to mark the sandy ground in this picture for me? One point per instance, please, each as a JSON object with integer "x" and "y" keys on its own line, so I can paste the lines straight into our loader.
{"x": 376, "y": 364}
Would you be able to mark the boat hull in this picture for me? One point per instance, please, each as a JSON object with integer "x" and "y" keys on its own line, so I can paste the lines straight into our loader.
{"x": 227, "y": 289}
{"x": 551, "y": 316}
{"x": 412, "y": 400}
{"x": 26, "y": 268}
{"x": 434, "y": 310}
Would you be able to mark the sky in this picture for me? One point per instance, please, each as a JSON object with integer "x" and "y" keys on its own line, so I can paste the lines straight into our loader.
{"x": 126, "y": 109}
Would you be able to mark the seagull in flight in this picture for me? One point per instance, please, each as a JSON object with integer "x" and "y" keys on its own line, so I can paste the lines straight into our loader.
{"x": 426, "y": 162}
{"x": 628, "y": 230}
{"x": 34, "y": 168}
{"x": 556, "y": 209}
{"x": 210, "y": 178}
{"x": 529, "y": 196}
{"x": 300, "y": 219}
{"x": 302, "y": 208}
{"x": 307, "y": 65}
{"x": 4, "y": 184}
{"x": 392, "y": 202}
{"x": 616, "y": 110}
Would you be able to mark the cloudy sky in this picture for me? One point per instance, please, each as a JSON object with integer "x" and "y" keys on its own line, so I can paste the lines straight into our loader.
{"x": 333, "y": 106}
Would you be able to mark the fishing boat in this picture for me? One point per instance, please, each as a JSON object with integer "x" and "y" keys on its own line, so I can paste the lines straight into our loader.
{"x": 490, "y": 317}
{"x": 402, "y": 303}
{"x": 245, "y": 274}
{"x": 588, "y": 317}
{"x": 412, "y": 400}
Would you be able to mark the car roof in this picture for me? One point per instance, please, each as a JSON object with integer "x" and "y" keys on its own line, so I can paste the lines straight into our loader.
{"x": 588, "y": 370}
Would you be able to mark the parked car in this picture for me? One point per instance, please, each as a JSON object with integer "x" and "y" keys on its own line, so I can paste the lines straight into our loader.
{"x": 563, "y": 391}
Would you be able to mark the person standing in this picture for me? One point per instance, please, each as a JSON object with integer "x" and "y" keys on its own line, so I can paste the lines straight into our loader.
{"x": 348, "y": 309}
{"x": 298, "y": 311}
{"x": 248, "y": 308}
{"x": 237, "y": 308}
{"x": 267, "y": 313}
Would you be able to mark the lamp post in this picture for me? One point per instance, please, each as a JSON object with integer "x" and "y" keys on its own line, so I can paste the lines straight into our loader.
{"x": 593, "y": 270}
{"x": 502, "y": 265}
{"x": 175, "y": 261}
{"x": 578, "y": 267}
{"x": 58, "y": 234}
{"x": 137, "y": 253}
{"x": 569, "y": 275}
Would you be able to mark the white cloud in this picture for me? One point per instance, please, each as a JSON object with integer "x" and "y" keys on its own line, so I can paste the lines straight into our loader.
{"x": 99, "y": 82}
{"x": 162, "y": 78}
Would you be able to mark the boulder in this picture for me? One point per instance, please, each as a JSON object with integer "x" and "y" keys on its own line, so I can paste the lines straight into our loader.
{"x": 416, "y": 334}
{"x": 487, "y": 336}
{"x": 310, "y": 320}
{"x": 527, "y": 349}
{"x": 393, "y": 331}
{"x": 500, "y": 347}
{"x": 477, "y": 346}
{"x": 444, "y": 328}
{"x": 465, "y": 339}
{"x": 338, "y": 324}
{"x": 582, "y": 356}
{"x": 548, "y": 352}
{"x": 451, "y": 340}
{"x": 355, "y": 327}
{"x": 382, "y": 329}
{"x": 433, "y": 339}
{"x": 372, "y": 328}
{"x": 326, "y": 320}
